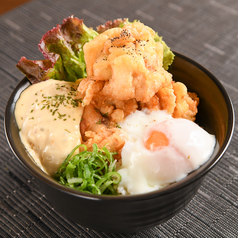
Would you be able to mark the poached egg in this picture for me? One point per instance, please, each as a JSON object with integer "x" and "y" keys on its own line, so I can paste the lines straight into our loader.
{"x": 160, "y": 150}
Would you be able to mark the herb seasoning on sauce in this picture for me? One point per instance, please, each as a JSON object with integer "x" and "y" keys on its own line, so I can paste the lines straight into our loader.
{"x": 48, "y": 116}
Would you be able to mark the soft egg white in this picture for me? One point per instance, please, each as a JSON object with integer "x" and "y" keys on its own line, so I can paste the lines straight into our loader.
{"x": 144, "y": 170}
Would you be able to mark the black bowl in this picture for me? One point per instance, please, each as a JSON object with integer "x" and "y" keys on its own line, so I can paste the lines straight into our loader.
{"x": 137, "y": 212}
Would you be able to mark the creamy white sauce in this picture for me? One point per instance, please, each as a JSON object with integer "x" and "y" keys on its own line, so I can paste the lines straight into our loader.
{"x": 48, "y": 115}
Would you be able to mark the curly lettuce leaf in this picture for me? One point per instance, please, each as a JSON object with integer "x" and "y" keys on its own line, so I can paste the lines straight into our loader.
{"x": 40, "y": 70}
{"x": 168, "y": 55}
{"x": 62, "y": 48}
{"x": 112, "y": 24}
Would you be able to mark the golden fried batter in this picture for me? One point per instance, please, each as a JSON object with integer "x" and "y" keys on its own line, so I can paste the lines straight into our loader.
{"x": 125, "y": 73}
{"x": 129, "y": 61}
{"x": 186, "y": 103}
{"x": 96, "y": 128}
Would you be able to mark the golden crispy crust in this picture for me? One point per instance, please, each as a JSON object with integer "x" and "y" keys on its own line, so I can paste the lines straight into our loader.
{"x": 125, "y": 73}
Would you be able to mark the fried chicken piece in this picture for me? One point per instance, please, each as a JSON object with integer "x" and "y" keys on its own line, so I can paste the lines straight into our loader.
{"x": 167, "y": 99}
{"x": 97, "y": 129}
{"x": 125, "y": 73}
{"x": 88, "y": 88}
{"x": 175, "y": 100}
{"x": 90, "y": 117}
{"x": 186, "y": 103}
{"x": 107, "y": 105}
{"x": 128, "y": 60}
{"x": 152, "y": 105}
{"x": 102, "y": 135}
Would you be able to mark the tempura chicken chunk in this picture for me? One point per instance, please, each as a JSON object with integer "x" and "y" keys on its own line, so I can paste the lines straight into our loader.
{"x": 128, "y": 60}
{"x": 186, "y": 103}
{"x": 96, "y": 128}
{"x": 125, "y": 73}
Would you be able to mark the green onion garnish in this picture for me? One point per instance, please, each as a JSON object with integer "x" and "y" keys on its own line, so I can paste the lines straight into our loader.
{"x": 90, "y": 171}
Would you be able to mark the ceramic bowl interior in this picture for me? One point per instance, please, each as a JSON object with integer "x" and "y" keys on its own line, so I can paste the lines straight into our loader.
{"x": 137, "y": 212}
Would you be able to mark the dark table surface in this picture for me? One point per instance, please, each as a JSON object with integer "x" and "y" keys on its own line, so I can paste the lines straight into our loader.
{"x": 204, "y": 30}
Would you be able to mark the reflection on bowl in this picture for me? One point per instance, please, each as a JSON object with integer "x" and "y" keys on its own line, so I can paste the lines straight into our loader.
{"x": 137, "y": 212}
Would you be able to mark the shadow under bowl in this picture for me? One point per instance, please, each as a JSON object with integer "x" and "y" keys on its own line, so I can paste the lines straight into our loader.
{"x": 137, "y": 212}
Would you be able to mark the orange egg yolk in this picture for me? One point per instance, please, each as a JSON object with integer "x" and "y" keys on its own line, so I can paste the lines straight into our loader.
{"x": 156, "y": 140}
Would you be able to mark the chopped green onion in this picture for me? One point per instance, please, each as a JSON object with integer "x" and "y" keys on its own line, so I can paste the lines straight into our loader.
{"x": 75, "y": 180}
{"x": 90, "y": 171}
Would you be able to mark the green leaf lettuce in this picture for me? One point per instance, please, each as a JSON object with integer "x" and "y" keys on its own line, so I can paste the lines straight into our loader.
{"x": 168, "y": 55}
{"x": 62, "y": 48}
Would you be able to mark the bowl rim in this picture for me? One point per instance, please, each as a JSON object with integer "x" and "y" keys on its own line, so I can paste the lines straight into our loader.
{"x": 190, "y": 178}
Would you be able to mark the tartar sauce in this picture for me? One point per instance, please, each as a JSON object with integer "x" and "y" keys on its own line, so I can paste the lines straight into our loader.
{"x": 48, "y": 115}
